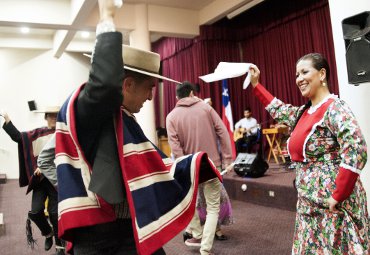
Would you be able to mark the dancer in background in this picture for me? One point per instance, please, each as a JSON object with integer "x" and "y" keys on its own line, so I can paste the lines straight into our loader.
{"x": 30, "y": 144}
{"x": 46, "y": 164}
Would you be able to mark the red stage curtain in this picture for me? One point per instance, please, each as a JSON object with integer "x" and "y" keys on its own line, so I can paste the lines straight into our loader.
{"x": 272, "y": 35}
{"x": 189, "y": 63}
{"x": 281, "y": 44}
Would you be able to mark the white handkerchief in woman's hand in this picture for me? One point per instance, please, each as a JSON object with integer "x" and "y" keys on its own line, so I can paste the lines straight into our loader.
{"x": 226, "y": 70}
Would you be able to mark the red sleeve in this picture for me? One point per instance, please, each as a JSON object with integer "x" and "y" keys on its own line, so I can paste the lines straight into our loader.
{"x": 263, "y": 95}
{"x": 345, "y": 182}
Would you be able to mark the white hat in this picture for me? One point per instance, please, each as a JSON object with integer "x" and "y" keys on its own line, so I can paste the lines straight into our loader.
{"x": 49, "y": 109}
{"x": 226, "y": 70}
{"x": 142, "y": 61}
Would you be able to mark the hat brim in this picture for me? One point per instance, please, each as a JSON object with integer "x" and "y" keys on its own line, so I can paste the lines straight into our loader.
{"x": 51, "y": 109}
{"x": 143, "y": 72}
{"x": 43, "y": 111}
{"x": 150, "y": 74}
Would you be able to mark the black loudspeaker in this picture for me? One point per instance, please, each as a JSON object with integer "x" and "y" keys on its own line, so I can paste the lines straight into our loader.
{"x": 356, "y": 33}
{"x": 32, "y": 105}
{"x": 250, "y": 165}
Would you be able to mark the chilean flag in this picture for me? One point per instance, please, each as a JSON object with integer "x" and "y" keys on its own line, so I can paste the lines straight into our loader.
{"x": 227, "y": 116}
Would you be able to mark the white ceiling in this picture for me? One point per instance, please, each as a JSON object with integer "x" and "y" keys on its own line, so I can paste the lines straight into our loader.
{"x": 57, "y": 24}
{"x": 184, "y": 4}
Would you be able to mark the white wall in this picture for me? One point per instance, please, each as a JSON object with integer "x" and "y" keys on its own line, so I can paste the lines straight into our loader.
{"x": 33, "y": 75}
{"x": 356, "y": 96}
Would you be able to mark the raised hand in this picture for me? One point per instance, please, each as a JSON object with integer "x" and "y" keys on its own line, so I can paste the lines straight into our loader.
{"x": 107, "y": 10}
{"x": 5, "y": 116}
{"x": 255, "y": 75}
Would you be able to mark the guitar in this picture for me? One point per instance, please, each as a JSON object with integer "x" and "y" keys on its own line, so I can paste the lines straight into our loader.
{"x": 239, "y": 132}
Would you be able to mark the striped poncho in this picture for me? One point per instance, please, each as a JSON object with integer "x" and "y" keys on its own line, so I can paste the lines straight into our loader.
{"x": 161, "y": 194}
{"x": 30, "y": 144}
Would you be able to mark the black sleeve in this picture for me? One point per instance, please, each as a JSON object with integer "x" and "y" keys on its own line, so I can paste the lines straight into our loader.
{"x": 13, "y": 132}
{"x": 102, "y": 94}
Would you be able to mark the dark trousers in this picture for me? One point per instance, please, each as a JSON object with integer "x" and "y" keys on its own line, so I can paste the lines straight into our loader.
{"x": 40, "y": 193}
{"x": 113, "y": 238}
{"x": 245, "y": 143}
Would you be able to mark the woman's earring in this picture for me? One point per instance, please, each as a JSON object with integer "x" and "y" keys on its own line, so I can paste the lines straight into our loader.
{"x": 323, "y": 84}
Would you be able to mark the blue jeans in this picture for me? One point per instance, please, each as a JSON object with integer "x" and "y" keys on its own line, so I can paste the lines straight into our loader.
{"x": 113, "y": 238}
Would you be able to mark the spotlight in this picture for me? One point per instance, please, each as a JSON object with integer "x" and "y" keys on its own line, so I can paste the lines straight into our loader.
{"x": 85, "y": 34}
{"x": 25, "y": 30}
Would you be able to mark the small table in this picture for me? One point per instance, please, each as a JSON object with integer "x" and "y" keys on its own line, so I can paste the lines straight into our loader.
{"x": 164, "y": 146}
{"x": 274, "y": 142}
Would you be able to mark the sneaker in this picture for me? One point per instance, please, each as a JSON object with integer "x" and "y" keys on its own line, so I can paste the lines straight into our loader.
{"x": 193, "y": 242}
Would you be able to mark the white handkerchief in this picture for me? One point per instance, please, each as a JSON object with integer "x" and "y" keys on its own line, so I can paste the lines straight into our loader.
{"x": 118, "y": 3}
{"x": 226, "y": 70}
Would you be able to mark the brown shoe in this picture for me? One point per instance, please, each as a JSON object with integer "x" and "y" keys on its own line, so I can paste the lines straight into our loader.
{"x": 193, "y": 242}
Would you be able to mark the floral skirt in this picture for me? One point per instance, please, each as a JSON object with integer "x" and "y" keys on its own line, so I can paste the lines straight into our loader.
{"x": 319, "y": 231}
{"x": 225, "y": 214}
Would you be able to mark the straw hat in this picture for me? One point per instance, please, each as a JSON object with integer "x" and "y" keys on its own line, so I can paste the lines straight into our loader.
{"x": 49, "y": 109}
{"x": 142, "y": 61}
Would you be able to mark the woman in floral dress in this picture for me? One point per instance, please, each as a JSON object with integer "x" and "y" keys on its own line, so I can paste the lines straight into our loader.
{"x": 328, "y": 151}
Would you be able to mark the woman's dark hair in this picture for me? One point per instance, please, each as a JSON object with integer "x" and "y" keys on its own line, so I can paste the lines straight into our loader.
{"x": 184, "y": 89}
{"x": 318, "y": 62}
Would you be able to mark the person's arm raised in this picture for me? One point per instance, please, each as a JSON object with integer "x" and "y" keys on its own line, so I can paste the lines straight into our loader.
{"x": 101, "y": 96}
{"x": 263, "y": 95}
{"x": 255, "y": 75}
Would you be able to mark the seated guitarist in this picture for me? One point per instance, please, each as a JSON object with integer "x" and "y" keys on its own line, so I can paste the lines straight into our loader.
{"x": 245, "y": 132}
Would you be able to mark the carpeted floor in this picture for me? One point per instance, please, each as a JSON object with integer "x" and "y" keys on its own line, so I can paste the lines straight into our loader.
{"x": 258, "y": 230}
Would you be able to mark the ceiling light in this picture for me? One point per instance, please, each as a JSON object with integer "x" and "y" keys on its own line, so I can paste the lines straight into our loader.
{"x": 85, "y": 34}
{"x": 243, "y": 8}
{"x": 25, "y": 30}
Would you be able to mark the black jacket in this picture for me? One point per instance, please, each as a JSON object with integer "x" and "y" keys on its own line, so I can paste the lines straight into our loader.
{"x": 97, "y": 103}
